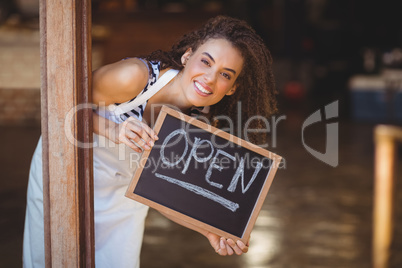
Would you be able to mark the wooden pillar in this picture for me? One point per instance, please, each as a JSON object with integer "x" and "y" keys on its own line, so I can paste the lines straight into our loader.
{"x": 385, "y": 152}
{"x": 65, "y": 29}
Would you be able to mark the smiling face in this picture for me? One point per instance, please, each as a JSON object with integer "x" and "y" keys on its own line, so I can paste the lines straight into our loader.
{"x": 210, "y": 72}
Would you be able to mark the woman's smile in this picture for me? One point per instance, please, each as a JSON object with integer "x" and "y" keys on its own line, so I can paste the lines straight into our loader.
{"x": 202, "y": 90}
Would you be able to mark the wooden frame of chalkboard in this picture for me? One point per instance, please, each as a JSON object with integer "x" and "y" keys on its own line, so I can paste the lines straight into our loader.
{"x": 204, "y": 176}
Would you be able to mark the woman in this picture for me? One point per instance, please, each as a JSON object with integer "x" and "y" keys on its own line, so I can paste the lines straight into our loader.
{"x": 217, "y": 66}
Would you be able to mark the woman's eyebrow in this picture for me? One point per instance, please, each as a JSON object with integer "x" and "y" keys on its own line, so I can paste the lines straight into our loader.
{"x": 213, "y": 60}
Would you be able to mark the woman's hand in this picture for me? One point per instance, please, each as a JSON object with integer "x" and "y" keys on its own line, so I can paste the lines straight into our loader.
{"x": 225, "y": 247}
{"x": 221, "y": 245}
{"x": 135, "y": 134}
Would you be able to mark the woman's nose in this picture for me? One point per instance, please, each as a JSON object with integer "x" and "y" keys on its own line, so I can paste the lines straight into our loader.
{"x": 210, "y": 76}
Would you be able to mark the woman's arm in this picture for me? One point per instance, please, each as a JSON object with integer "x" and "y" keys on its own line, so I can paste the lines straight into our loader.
{"x": 221, "y": 245}
{"x": 118, "y": 83}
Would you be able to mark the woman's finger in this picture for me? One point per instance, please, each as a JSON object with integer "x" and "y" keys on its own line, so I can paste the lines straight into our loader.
{"x": 142, "y": 134}
{"x": 130, "y": 144}
{"x": 235, "y": 247}
{"x": 138, "y": 132}
{"x": 222, "y": 247}
{"x": 150, "y": 131}
{"x": 229, "y": 249}
{"x": 127, "y": 136}
{"x": 136, "y": 137}
{"x": 242, "y": 246}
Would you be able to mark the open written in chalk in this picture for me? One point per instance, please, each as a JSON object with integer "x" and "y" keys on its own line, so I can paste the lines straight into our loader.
{"x": 204, "y": 176}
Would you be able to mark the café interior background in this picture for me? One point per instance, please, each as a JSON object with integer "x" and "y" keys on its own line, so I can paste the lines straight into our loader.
{"x": 324, "y": 51}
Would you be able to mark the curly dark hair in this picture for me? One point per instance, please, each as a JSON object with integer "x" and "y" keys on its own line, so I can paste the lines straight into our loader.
{"x": 255, "y": 84}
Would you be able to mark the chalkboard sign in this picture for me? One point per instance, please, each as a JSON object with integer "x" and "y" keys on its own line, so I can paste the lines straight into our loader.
{"x": 204, "y": 176}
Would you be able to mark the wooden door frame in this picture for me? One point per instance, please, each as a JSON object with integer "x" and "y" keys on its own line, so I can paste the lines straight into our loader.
{"x": 65, "y": 44}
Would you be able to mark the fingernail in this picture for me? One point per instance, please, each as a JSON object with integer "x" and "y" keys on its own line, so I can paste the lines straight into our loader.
{"x": 222, "y": 243}
{"x": 156, "y": 137}
{"x": 240, "y": 244}
{"x": 147, "y": 147}
{"x": 151, "y": 143}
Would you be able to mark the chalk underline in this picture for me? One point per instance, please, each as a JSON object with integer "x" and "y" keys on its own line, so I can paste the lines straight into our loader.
{"x": 201, "y": 191}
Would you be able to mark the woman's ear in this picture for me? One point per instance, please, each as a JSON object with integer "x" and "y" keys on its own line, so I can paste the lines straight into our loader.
{"x": 186, "y": 56}
{"x": 231, "y": 91}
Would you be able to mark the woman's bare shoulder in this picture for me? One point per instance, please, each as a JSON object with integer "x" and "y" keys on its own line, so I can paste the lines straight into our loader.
{"x": 120, "y": 81}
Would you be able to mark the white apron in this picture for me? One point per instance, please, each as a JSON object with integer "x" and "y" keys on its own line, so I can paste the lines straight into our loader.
{"x": 119, "y": 221}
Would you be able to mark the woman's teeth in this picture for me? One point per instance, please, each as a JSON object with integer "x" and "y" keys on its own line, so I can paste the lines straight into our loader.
{"x": 202, "y": 89}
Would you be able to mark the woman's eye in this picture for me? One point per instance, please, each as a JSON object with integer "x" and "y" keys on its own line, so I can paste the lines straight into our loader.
{"x": 227, "y": 76}
{"x": 205, "y": 62}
